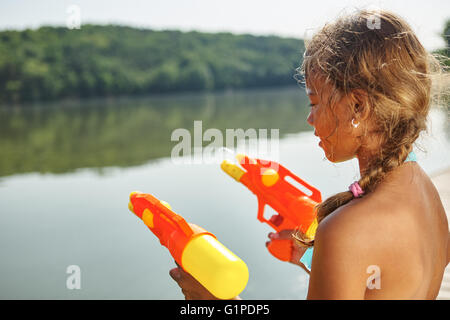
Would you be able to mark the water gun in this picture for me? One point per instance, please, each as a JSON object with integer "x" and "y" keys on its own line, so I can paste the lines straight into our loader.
{"x": 197, "y": 251}
{"x": 295, "y": 208}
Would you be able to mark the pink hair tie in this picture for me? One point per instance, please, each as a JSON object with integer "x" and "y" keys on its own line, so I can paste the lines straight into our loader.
{"x": 356, "y": 189}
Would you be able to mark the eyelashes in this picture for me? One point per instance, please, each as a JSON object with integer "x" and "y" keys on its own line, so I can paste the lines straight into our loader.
{"x": 311, "y": 105}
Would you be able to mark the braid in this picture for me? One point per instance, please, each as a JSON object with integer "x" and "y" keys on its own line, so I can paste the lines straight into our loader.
{"x": 375, "y": 173}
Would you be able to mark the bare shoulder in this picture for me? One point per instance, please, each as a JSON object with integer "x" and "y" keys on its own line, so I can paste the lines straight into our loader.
{"x": 400, "y": 227}
{"x": 405, "y": 206}
{"x": 361, "y": 224}
{"x": 373, "y": 228}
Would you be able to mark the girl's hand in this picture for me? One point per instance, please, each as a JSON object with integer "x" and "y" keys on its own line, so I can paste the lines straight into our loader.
{"x": 298, "y": 250}
{"x": 191, "y": 288}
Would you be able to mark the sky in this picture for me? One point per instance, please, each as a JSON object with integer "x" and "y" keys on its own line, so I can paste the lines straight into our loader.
{"x": 286, "y": 18}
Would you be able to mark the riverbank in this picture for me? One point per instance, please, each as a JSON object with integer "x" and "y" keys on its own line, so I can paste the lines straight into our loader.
{"x": 442, "y": 182}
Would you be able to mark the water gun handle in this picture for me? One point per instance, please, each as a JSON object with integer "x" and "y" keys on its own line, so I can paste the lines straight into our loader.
{"x": 280, "y": 249}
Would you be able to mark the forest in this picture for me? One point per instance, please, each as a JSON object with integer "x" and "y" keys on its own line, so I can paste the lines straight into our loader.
{"x": 51, "y": 63}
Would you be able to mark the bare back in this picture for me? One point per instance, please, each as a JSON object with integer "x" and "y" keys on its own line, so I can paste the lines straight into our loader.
{"x": 399, "y": 232}
{"x": 418, "y": 236}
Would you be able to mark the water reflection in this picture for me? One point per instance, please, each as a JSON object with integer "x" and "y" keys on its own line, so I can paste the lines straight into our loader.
{"x": 125, "y": 132}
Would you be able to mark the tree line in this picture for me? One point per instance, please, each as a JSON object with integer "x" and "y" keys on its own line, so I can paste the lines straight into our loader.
{"x": 51, "y": 63}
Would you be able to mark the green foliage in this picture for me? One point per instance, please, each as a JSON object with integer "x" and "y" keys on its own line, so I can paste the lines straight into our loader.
{"x": 446, "y": 36}
{"x": 446, "y": 33}
{"x": 55, "y": 62}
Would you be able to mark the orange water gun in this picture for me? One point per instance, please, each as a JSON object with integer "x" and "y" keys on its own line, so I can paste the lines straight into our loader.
{"x": 197, "y": 251}
{"x": 295, "y": 208}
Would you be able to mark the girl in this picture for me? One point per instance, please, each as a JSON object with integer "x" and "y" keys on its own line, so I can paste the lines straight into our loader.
{"x": 368, "y": 79}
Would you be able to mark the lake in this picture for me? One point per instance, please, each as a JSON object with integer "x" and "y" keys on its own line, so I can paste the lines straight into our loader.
{"x": 66, "y": 170}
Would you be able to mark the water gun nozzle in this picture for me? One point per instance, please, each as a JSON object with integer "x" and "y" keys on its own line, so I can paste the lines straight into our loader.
{"x": 232, "y": 170}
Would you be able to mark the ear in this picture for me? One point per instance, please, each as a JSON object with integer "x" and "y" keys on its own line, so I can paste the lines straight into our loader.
{"x": 361, "y": 105}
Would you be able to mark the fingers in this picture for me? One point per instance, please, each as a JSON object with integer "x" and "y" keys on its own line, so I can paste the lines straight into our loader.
{"x": 190, "y": 287}
{"x": 297, "y": 253}
{"x": 183, "y": 278}
{"x": 282, "y": 235}
{"x": 175, "y": 274}
{"x": 184, "y": 282}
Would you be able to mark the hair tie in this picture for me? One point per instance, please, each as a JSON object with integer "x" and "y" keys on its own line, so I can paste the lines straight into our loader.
{"x": 356, "y": 189}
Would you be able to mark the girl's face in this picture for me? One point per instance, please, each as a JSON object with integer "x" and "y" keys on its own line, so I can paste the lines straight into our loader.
{"x": 332, "y": 124}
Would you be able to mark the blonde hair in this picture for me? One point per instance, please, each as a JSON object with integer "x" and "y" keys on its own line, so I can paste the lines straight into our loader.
{"x": 387, "y": 61}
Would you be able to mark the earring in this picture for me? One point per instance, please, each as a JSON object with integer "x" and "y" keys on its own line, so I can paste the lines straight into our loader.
{"x": 355, "y": 125}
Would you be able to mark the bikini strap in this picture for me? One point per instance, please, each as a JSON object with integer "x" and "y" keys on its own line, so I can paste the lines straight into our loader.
{"x": 411, "y": 157}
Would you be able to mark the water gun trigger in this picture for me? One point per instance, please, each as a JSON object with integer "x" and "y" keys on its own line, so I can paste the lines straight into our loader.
{"x": 274, "y": 221}
{"x": 261, "y": 205}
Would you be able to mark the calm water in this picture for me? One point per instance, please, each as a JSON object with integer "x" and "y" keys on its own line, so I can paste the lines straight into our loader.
{"x": 66, "y": 171}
